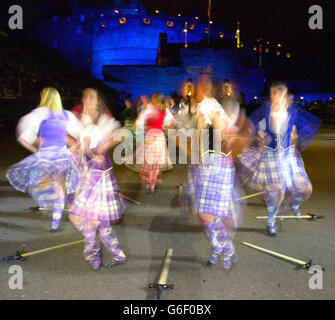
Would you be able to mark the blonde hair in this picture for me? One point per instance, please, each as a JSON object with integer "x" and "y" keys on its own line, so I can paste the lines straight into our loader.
{"x": 51, "y": 99}
{"x": 158, "y": 100}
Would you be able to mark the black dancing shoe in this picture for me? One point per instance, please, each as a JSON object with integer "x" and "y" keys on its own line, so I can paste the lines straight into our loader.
{"x": 115, "y": 262}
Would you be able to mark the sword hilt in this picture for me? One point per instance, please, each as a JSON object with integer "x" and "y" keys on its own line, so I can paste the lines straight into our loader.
{"x": 160, "y": 288}
{"x": 33, "y": 208}
{"x": 315, "y": 217}
{"x": 17, "y": 256}
{"x": 163, "y": 286}
{"x": 309, "y": 264}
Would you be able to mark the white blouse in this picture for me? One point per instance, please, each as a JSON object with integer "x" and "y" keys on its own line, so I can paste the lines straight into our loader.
{"x": 100, "y": 132}
{"x": 209, "y": 105}
{"x": 279, "y": 121}
{"x": 140, "y": 122}
{"x": 28, "y": 126}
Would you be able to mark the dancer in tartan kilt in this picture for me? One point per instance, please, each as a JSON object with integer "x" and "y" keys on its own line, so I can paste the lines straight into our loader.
{"x": 275, "y": 165}
{"x": 48, "y": 174}
{"x": 215, "y": 183}
{"x": 152, "y": 157}
{"x": 98, "y": 202}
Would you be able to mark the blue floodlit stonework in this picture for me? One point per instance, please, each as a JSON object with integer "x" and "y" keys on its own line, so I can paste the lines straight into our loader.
{"x": 119, "y": 44}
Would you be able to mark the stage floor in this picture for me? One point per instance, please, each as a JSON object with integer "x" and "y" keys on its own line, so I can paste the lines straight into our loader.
{"x": 149, "y": 229}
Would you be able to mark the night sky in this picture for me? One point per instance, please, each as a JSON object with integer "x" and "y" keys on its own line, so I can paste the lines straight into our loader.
{"x": 281, "y": 21}
{"x": 285, "y": 21}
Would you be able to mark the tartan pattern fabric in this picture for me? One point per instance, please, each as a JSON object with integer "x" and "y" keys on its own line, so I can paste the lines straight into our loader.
{"x": 278, "y": 169}
{"x": 155, "y": 148}
{"x": 152, "y": 151}
{"x": 299, "y": 180}
{"x": 217, "y": 188}
{"x": 156, "y": 158}
{"x": 46, "y": 176}
{"x": 28, "y": 173}
{"x": 248, "y": 164}
{"x": 217, "y": 234}
{"x": 249, "y": 158}
{"x": 150, "y": 174}
{"x": 99, "y": 197}
{"x": 104, "y": 230}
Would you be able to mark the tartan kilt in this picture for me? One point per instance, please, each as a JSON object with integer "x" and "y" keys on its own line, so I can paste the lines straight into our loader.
{"x": 296, "y": 177}
{"x": 42, "y": 173}
{"x": 156, "y": 156}
{"x": 155, "y": 150}
{"x": 217, "y": 188}
{"x": 248, "y": 163}
{"x": 151, "y": 152}
{"x": 250, "y": 158}
{"x": 99, "y": 197}
{"x": 278, "y": 170}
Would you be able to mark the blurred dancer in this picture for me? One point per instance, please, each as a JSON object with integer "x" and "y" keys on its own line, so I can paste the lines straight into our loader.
{"x": 153, "y": 158}
{"x": 98, "y": 202}
{"x": 215, "y": 184}
{"x": 187, "y": 123}
{"x": 129, "y": 114}
{"x": 48, "y": 175}
{"x": 174, "y": 104}
{"x": 145, "y": 103}
{"x": 275, "y": 164}
{"x": 128, "y": 117}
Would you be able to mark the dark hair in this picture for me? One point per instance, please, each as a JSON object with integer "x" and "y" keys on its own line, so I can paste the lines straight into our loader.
{"x": 275, "y": 84}
{"x": 102, "y": 106}
{"x": 137, "y": 103}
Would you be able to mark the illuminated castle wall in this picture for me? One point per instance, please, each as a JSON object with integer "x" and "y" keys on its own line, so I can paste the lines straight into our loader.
{"x": 121, "y": 40}
{"x": 136, "y": 43}
{"x": 148, "y": 79}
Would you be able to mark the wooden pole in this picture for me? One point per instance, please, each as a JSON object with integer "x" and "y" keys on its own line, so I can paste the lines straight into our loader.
{"x": 24, "y": 255}
{"x": 276, "y": 254}
{"x": 127, "y": 198}
{"x": 251, "y": 195}
{"x": 309, "y": 216}
{"x": 166, "y": 266}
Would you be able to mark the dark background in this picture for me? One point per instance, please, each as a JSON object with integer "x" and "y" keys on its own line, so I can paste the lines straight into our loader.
{"x": 282, "y": 21}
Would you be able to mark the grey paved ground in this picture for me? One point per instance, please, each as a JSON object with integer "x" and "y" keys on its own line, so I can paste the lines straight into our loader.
{"x": 156, "y": 225}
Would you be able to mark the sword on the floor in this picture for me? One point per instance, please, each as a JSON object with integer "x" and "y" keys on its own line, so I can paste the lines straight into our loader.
{"x": 180, "y": 190}
{"x": 162, "y": 282}
{"x": 309, "y": 216}
{"x": 300, "y": 263}
{"x": 23, "y": 256}
{"x": 251, "y": 195}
